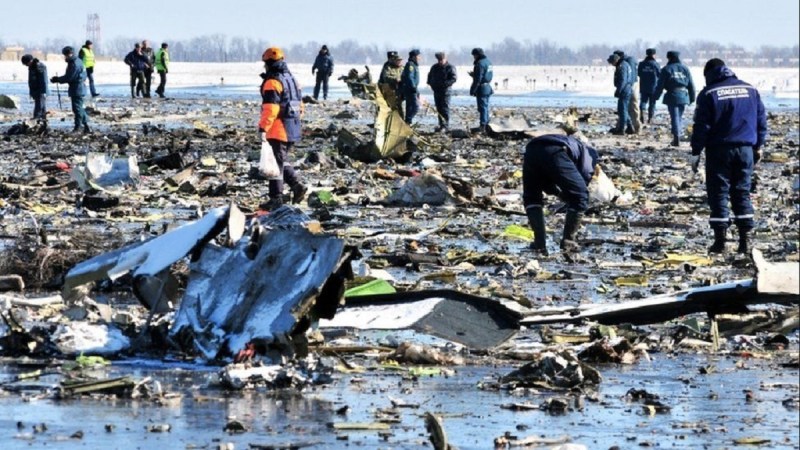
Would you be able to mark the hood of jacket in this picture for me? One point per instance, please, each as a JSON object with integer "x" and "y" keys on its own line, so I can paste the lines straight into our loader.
{"x": 718, "y": 74}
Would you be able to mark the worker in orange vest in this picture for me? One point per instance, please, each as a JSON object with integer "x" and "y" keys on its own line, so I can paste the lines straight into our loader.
{"x": 279, "y": 125}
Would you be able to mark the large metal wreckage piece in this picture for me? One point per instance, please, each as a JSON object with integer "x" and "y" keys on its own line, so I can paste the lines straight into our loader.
{"x": 259, "y": 286}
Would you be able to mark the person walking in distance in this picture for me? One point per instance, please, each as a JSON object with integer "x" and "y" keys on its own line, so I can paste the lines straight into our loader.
{"x": 481, "y": 88}
{"x": 676, "y": 80}
{"x": 150, "y": 59}
{"x": 323, "y": 66}
{"x": 137, "y": 64}
{"x": 75, "y": 77}
{"x": 279, "y": 125}
{"x": 162, "y": 67}
{"x": 86, "y": 54}
{"x": 648, "y": 71}
{"x": 441, "y": 78}
{"x": 37, "y": 87}
{"x": 730, "y": 124}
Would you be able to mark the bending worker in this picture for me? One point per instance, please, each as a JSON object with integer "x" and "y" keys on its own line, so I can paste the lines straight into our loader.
{"x": 557, "y": 165}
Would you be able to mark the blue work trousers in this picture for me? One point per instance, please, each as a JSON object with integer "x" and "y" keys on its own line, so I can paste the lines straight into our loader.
{"x": 548, "y": 169}
{"x": 675, "y": 119}
{"x": 648, "y": 102}
{"x": 412, "y": 105}
{"x": 322, "y": 80}
{"x": 623, "y": 116}
{"x": 90, "y": 77}
{"x": 483, "y": 109}
{"x": 79, "y": 112}
{"x": 728, "y": 174}
{"x": 40, "y": 106}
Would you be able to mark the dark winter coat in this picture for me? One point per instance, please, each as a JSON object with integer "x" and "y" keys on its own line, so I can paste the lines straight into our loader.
{"x": 323, "y": 63}
{"x": 648, "y": 72}
{"x": 409, "y": 80}
{"x": 136, "y": 61}
{"x": 149, "y": 57}
{"x": 729, "y": 113}
{"x": 632, "y": 64}
{"x": 676, "y": 79}
{"x": 75, "y": 77}
{"x": 37, "y": 79}
{"x": 482, "y": 74}
{"x": 623, "y": 79}
{"x": 584, "y": 156}
{"x": 441, "y": 77}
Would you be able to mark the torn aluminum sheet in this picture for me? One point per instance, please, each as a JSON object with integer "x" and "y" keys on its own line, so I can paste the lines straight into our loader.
{"x": 477, "y": 322}
{"x": 391, "y": 136}
{"x": 261, "y": 291}
{"x": 101, "y": 170}
{"x": 150, "y": 258}
{"x": 775, "y": 283}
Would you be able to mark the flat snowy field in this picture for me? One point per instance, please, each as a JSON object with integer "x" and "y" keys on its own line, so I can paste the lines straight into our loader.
{"x": 585, "y": 80}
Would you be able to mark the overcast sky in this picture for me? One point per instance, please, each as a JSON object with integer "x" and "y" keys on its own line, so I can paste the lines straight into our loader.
{"x": 407, "y": 23}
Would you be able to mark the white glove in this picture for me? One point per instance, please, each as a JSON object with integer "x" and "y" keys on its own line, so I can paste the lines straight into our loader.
{"x": 695, "y": 160}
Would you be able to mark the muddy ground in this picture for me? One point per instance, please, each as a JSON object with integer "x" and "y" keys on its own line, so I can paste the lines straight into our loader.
{"x": 47, "y": 224}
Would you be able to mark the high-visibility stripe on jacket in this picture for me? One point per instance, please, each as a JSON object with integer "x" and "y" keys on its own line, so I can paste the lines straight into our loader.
{"x": 87, "y": 55}
{"x": 280, "y": 107}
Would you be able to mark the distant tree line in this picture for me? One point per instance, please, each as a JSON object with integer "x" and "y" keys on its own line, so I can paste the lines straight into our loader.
{"x": 509, "y": 51}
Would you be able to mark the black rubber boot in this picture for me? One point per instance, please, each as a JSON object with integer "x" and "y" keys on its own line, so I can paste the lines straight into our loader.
{"x": 536, "y": 220}
{"x": 719, "y": 241}
{"x": 744, "y": 241}
{"x": 675, "y": 141}
{"x": 298, "y": 193}
{"x": 571, "y": 225}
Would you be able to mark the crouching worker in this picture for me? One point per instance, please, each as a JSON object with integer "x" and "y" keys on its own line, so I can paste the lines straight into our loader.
{"x": 557, "y": 165}
{"x": 280, "y": 124}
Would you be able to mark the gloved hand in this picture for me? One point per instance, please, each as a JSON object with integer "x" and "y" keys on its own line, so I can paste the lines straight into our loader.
{"x": 756, "y": 155}
{"x": 53, "y": 79}
{"x": 695, "y": 160}
{"x": 312, "y": 71}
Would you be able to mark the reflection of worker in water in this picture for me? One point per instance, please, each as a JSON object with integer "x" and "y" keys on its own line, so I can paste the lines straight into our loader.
{"x": 409, "y": 83}
{"x": 75, "y": 77}
{"x": 557, "y": 165}
{"x": 37, "y": 86}
{"x": 389, "y": 81}
{"x": 441, "y": 78}
{"x": 279, "y": 124}
{"x": 323, "y": 66}
{"x": 481, "y": 88}
{"x": 730, "y": 123}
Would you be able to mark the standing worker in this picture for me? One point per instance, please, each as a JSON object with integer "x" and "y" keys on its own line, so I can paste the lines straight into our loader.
{"x": 441, "y": 78}
{"x": 86, "y": 54}
{"x": 75, "y": 77}
{"x": 648, "y": 71}
{"x": 162, "y": 67}
{"x": 323, "y": 66}
{"x": 481, "y": 88}
{"x": 622, "y": 91}
{"x": 279, "y": 124}
{"x": 730, "y": 123}
{"x": 137, "y": 63}
{"x": 634, "y": 125}
{"x": 150, "y": 59}
{"x": 37, "y": 87}
{"x": 557, "y": 165}
{"x": 676, "y": 79}
{"x": 409, "y": 83}
{"x": 389, "y": 81}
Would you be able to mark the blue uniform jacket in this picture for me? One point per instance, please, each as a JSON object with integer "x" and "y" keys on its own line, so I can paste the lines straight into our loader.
{"x": 482, "y": 74}
{"x": 676, "y": 79}
{"x": 648, "y": 71}
{"x": 75, "y": 77}
{"x": 623, "y": 79}
{"x": 324, "y": 63}
{"x": 37, "y": 79}
{"x": 409, "y": 80}
{"x": 584, "y": 156}
{"x": 729, "y": 113}
{"x": 632, "y": 63}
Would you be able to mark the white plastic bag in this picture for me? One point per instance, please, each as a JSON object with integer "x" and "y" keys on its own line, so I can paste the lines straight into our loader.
{"x": 601, "y": 188}
{"x": 267, "y": 165}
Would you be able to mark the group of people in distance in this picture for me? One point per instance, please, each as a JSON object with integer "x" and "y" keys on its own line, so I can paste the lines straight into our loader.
{"x": 730, "y": 125}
